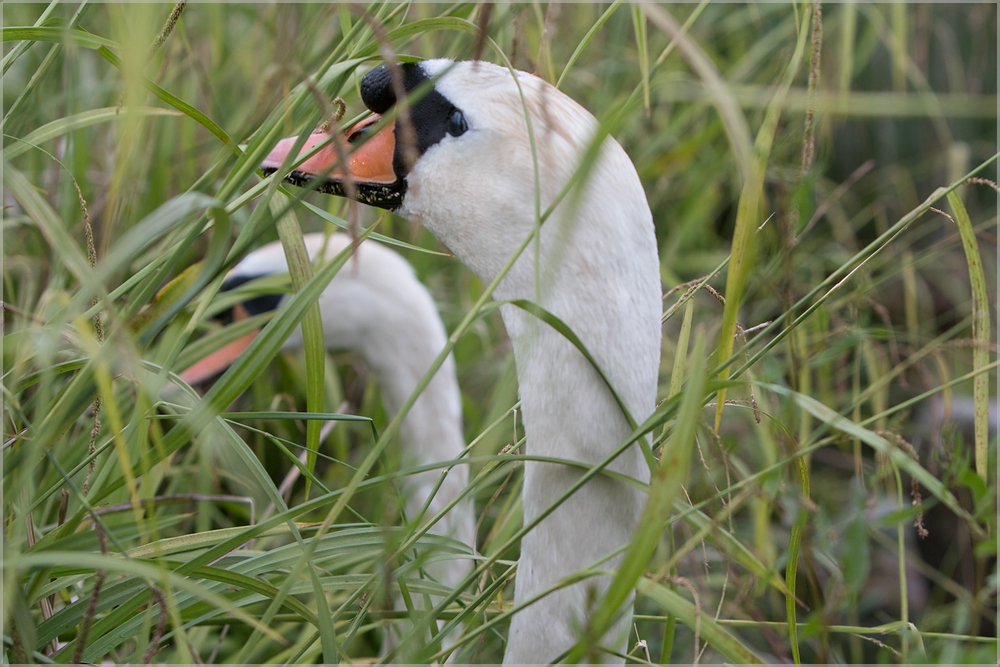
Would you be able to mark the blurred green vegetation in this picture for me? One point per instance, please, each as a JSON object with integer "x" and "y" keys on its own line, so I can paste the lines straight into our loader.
{"x": 141, "y": 143}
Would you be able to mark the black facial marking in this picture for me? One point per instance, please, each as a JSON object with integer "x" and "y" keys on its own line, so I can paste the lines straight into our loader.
{"x": 432, "y": 116}
{"x": 257, "y": 305}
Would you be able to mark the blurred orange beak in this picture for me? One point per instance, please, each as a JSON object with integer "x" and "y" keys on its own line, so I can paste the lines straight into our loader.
{"x": 218, "y": 361}
{"x": 369, "y": 166}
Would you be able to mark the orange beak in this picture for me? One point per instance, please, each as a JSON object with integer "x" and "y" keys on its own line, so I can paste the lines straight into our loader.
{"x": 218, "y": 361}
{"x": 369, "y": 166}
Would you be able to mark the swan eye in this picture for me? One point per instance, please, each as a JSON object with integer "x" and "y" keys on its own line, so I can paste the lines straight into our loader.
{"x": 456, "y": 123}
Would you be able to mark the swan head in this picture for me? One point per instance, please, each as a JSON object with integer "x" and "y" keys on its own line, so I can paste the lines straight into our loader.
{"x": 468, "y": 168}
{"x": 363, "y": 309}
{"x": 379, "y": 162}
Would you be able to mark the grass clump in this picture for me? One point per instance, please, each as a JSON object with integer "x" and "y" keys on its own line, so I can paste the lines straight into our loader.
{"x": 823, "y": 185}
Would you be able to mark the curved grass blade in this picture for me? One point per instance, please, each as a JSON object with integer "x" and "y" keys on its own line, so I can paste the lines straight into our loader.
{"x": 881, "y": 445}
{"x": 586, "y": 40}
{"x": 836, "y": 279}
{"x": 176, "y": 102}
{"x": 980, "y": 333}
{"x": 300, "y": 271}
{"x": 727, "y": 543}
{"x": 135, "y": 568}
{"x": 162, "y": 220}
{"x": 733, "y": 121}
{"x": 243, "y": 371}
{"x": 74, "y": 36}
{"x": 533, "y": 308}
{"x": 673, "y": 469}
{"x": 304, "y": 416}
{"x": 381, "y": 238}
{"x": 48, "y": 222}
{"x": 720, "y": 639}
{"x": 748, "y": 215}
{"x": 216, "y": 339}
{"x": 218, "y": 247}
{"x": 61, "y": 126}
{"x": 42, "y": 70}
{"x": 19, "y": 50}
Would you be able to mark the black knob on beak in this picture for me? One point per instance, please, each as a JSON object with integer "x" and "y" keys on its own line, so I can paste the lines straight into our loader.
{"x": 376, "y": 90}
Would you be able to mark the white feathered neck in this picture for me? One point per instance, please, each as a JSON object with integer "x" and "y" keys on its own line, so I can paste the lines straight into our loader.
{"x": 598, "y": 272}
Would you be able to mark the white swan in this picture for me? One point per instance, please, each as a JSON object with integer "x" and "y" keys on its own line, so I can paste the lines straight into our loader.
{"x": 473, "y": 185}
{"x": 378, "y": 309}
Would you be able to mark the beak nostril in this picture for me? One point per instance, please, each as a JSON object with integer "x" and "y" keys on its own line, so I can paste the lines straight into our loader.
{"x": 357, "y": 135}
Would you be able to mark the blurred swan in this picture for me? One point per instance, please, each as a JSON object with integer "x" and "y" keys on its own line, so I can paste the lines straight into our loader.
{"x": 376, "y": 308}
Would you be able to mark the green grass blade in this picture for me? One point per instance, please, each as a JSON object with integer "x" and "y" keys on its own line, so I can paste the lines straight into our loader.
{"x": 218, "y": 246}
{"x": 67, "y": 124}
{"x": 721, "y": 639}
{"x": 641, "y": 45}
{"x": 836, "y": 279}
{"x": 19, "y": 50}
{"x": 675, "y": 462}
{"x": 176, "y": 102}
{"x": 748, "y": 215}
{"x": 381, "y": 238}
{"x": 300, "y": 271}
{"x": 135, "y": 568}
{"x": 205, "y": 345}
{"x": 680, "y": 357}
{"x": 73, "y": 36}
{"x": 250, "y": 364}
{"x": 980, "y": 333}
{"x": 48, "y": 222}
{"x": 103, "y": 150}
{"x": 532, "y": 308}
{"x": 733, "y": 121}
{"x": 586, "y": 40}
{"x": 882, "y": 446}
{"x": 727, "y": 543}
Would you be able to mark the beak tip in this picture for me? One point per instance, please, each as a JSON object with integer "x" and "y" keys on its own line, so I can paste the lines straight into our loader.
{"x": 280, "y": 152}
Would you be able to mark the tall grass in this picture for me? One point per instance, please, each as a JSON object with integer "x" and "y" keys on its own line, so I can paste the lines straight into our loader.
{"x": 825, "y": 488}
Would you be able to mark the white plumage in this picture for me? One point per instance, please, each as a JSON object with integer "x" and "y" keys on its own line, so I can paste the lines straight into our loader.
{"x": 599, "y": 273}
